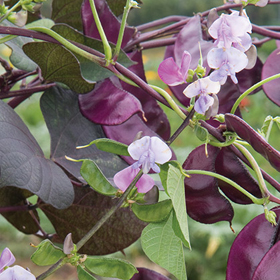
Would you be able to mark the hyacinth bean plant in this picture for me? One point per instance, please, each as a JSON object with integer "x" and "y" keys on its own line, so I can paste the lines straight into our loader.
{"x": 110, "y": 137}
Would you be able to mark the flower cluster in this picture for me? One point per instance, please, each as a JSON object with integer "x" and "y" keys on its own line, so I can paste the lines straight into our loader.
{"x": 232, "y": 40}
{"x": 260, "y": 3}
{"x": 147, "y": 151}
{"x": 16, "y": 272}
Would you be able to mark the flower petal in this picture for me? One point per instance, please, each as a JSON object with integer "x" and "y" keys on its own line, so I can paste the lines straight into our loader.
{"x": 185, "y": 64}
{"x": 124, "y": 178}
{"x": 203, "y": 103}
{"x": 170, "y": 72}
{"x": 161, "y": 151}
{"x": 16, "y": 273}
{"x": 137, "y": 148}
{"x": 7, "y": 258}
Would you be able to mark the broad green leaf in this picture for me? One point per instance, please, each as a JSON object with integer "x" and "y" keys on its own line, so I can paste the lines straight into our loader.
{"x": 201, "y": 133}
{"x": 164, "y": 172}
{"x": 84, "y": 275}
{"x": 68, "y": 12}
{"x": 47, "y": 253}
{"x": 110, "y": 146}
{"x": 266, "y": 124}
{"x": 117, "y": 6}
{"x": 91, "y": 71}
{"x": 152, "y": 213}
{"x": 176, "y": 191}
{"x": 95, "y": 178}
{"x": 58, "y": 65}
{"x": 110, "y": 267}
{"x": 163, "y": 247}
{"x": 45, "y": 22}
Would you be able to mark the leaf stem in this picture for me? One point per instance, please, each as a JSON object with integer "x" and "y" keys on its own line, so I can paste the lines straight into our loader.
{"x": 67, "y": 44}
{"x": 258, "y": 201}
{"x": 249, "y": 90}
{"x": 170, "y": 101}
{"x": 127, "y": 8}
{"x": 106, "y": 45}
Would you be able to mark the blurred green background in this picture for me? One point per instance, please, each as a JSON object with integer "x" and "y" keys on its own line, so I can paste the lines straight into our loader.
{"x": 210, "y": 243}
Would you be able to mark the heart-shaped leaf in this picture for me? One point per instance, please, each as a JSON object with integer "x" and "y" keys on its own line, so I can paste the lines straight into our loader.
{"x": 91, "y": 71}
{"x": 58, "y": 65}
{"x": 204, "y": 202}
{"x": 68, "y": 12}
{"x": 258, "y": 142}
{"x": 159, "y": 242}
{"x": 23, "y": 164}
{"x": 69, "y": 129}
{"x": 121, "y": 230}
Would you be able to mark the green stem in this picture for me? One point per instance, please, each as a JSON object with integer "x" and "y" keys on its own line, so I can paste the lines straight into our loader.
{"x": 67, "y": 44}
{"x": 121, "y": 31}
{"x": 51, "y": 270}
{"x": 18, "y": 4}
{"x": 170, "y": 101}
{"x": 222, "y": 144}
{"x": 106, "y": 45}
{"x": 104, "y": 219}
{"x": 255, "y": 200}
{"x": 255, "y": 167}
{"x": 7, "y": 38}
{"x": 249, "y": 90}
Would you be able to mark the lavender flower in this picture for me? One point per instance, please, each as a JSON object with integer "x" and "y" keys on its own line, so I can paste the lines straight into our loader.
{"x": 202, "y": 88}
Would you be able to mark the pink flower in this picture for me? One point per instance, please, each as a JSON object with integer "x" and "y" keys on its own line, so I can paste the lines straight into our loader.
{"x": 12, "y": 273}
{"x": 227, "y": 62}
{"x": 171, "y": 73}
{"x": 202, "y": 88}
{"x": 124, "y": 178}
{"x": 231, "y": 30}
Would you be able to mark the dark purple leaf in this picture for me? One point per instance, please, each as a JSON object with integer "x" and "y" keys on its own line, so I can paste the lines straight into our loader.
{"x": 204, "y": 202}
{"x": 23, "y": 165}
{"x": 272, "y": 67}
{"x": 147, "y": 274}
{"x": 268, "y": 268}
{"x": 249, "y": 248}
{"x": 69, "y": 129}
{"x": 109, "y": 104}
{"x": 121, "y": 230}
{"x": 24, "y": 221}
{"x": 68, "y": 12}
{"x": 229, "y": 165}
{"x": 247, "y": 133}
{"x": 156, "y": 118}
{"x": 110, "y": 23}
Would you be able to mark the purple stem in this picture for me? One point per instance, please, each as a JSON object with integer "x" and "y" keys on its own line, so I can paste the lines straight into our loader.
{"x": 17, "y": 208}
{"x": 158, "y": 22}
{"x": 158, "y": 43}
{"x": 265, "y": 32}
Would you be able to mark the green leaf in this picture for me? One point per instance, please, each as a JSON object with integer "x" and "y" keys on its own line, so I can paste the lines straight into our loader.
{"x": 68, "y": 12}
{"x": 110, "y": 146}
{"x": 47, "y": 253}
{"x": 265, "y": 127}
{"x": 277, "y": 120}
{"x": 91, "y": 71}
{"x": 152, "y": 213}
{"x": 84, "y": 275}
{"x": 95, "y": 178}
{"x": 45, "y": 22}
{"x": 176, "y": 191}
{"x": 163, "y": 247}
{"x": 58, "y": 65}
{"x": 110, "y": 267}
{"x": 117, "y": 6}
{"x": 202, "y": 133}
